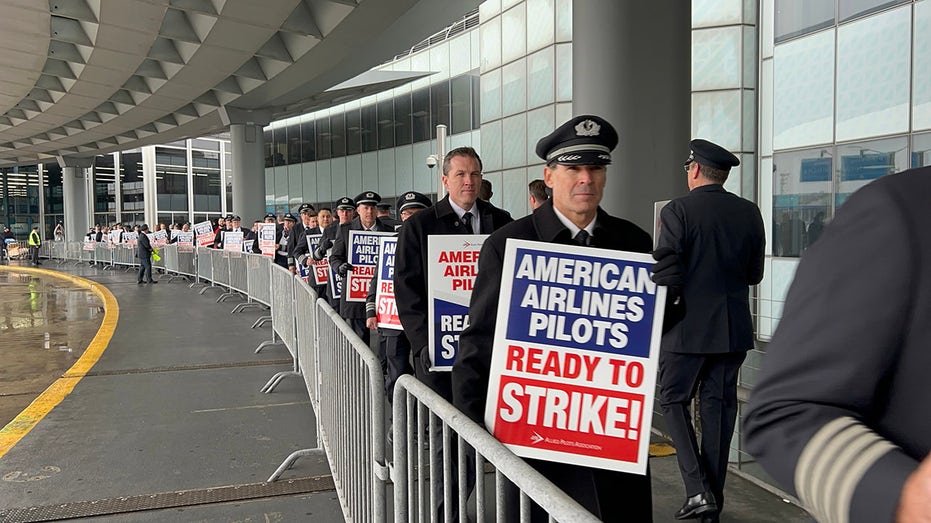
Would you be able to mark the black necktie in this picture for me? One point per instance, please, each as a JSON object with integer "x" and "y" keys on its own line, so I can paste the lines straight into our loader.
{"x": 467, "y": 222}
{"x": 583, "y": 238}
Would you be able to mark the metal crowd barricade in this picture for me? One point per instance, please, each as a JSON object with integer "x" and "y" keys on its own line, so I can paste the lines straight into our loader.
{"x": 160, "y": 263}
{"x": 239, "y": 286}
{"x": 104, "y": 255}
{"x": 305, "y": 337}
{"x": 351, "y": 416}
{"x": 254, "y": 268}
{"x": 204, "y": 269}
{"x": 419, "y": 478}
{"x": 259, "y": 284}
{"x": 283, "y": 283}
{"x": 219, "y": 271}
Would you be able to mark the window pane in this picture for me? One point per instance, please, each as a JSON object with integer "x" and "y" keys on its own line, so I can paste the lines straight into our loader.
{"x": 797, "y": 17}
{"x": 921, "y": 150}
{"x": 439, "y": 104}
{"x": 514, "y": 87}
{"x": 802, "y": 193}
{"x": 873, "y": 65}
{"x": 863, "y": 162}
{"x": 420, "y": 114}
{"x": 461, "y": 104}
{"x": 269, "y": 148}
{"x": 308, "y": 142}
{"x": 541, "y": 81}
{"x": 337, "y": 135}
{"x": 294, "y": 143}
{"x": 369, "y": 129}
{"x": 353, "y": 132}
{"x": 323, "y": 137}
{"x": 921, "y": 95}
{"x": 476, "y": 100}
{"x": 385, "y": 124}
{"x": 281, "y": 146}
{"x": 402, "y": 119}
{"x": 803, "y": 96}
{"x": 847, "y": 9}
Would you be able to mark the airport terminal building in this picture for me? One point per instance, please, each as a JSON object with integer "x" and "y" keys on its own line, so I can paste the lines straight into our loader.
{"x": 816, "y": 97}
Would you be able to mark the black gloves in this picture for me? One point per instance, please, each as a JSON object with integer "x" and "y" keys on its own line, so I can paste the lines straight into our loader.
{"x": 344, "y": 268}
{"x": 668, "y": 268}
{"x": 668, "y": 271}
{"x": 320, "y": 251}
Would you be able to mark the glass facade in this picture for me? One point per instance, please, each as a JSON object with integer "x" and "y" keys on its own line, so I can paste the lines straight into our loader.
{"x": 380, "y": 142}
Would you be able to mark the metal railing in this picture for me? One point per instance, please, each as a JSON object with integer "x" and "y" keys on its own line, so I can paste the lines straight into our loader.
{"x": 352, "y": 419}
{"x": 283, "y": 322}
{"x": 435, "y": 445}
{"x": 423, "y": 484}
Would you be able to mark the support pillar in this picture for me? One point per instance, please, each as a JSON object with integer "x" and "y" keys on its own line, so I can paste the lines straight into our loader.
{"x": 75, "y": 196}
{"x": 631, "y": 65}
{"x": 248, "y": 160}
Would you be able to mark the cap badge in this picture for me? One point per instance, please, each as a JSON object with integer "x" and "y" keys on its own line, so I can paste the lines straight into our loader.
{"x": 587, "y": 128}
{"x": 568, "y": 157}
{"x": 409, "y": 196}
{"x": 369, "y": 195}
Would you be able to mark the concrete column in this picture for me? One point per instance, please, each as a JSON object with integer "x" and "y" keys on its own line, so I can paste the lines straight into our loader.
{"x": 75, "y": 195}
{"x": 248, "y": 157}
{"x": 248, "y": 170}
{"x": 631, "y": 65}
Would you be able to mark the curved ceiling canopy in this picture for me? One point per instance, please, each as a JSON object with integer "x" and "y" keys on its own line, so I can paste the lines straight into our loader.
{"x": 84, "y": 77}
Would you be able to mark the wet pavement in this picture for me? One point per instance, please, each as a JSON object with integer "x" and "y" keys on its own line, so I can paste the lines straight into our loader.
{"x": 45, "y": 325}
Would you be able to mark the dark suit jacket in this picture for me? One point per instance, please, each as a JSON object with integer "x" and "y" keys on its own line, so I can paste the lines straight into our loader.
{"x": 612, "y": 496}
{"x": 340, "y": 255}
{"x": 849, "y": 360}
{"x": 720, "y": 240}
{"x": 410, "y": 270}
{"x": 143, "y": 247}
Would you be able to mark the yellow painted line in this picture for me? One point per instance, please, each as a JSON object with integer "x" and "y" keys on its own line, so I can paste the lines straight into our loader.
{"x": 56, "y": 392}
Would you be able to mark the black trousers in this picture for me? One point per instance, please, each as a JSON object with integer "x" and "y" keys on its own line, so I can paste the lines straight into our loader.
{"x": 145, "y": 270}
{"x": 714, "y": 377}
{"x": 397, "y": 350}
{"x": 34, "y": 253}
{"x": 359, "y": 327}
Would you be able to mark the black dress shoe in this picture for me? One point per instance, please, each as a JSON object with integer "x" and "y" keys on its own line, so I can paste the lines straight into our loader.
{"x": 697, "y": 505}
{"x": 153, "y": 282}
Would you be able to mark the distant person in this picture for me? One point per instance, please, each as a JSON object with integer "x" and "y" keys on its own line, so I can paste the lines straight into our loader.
{"x": 35, "y": 241}
{"x": 484, "y": 192}
{"x": 815, "y": 228}
{"x": 383, "y": 213}
{"x": 838, "y": 415}
{"x": 144, "y": 253}
{"x": 7, "y": 239}
{"x": 59, "y": 233}
{"x": 538, "y": 194}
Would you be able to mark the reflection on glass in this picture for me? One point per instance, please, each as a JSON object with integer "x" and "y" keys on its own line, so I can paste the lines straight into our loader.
{"x": 847, "y": 9}
{"x": 385, "y": 124}
{"x": 369, "y": 129}
{"x": 803, "y": 91}
{"x": 921, "y": 150}
{"x": 798, "y": 17}
{"x": 420, "y": 114}
{"x": 873, "y": 64}
{"x": 353, "y": 132}
{"x": 308, "y": 142}
{"x": 802, "y": 190}
{"x": 861, "y": 163}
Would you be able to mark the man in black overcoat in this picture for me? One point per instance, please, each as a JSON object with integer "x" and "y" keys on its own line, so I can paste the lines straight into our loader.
{"x": 462, "y": 176}
{"x": 577, "y": 154}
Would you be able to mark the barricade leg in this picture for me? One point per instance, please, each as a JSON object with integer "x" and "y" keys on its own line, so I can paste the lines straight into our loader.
{"x": 245, "y": 305}
{"x": 290, "y": 460}
{"x": 223, "y": 297}
{"x": 278, "y": 377}
{"x": 269, "y": 343}
{"x": 262, "y": 320}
